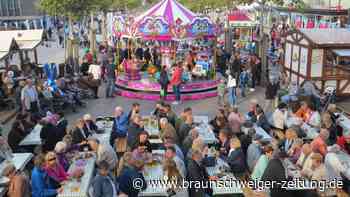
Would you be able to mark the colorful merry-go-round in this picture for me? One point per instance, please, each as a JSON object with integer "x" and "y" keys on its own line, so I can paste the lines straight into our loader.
{"x": 173, "y": 33}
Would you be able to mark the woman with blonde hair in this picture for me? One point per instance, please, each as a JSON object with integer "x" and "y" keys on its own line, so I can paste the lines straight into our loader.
{"x": 54, "y": 169}
{"x": 173, "y": 175}
{"x": 236, "y": 158}
{"x": 332, "y": 128}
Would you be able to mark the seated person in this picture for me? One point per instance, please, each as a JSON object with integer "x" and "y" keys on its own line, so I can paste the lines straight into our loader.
{"x": 224, "y": 140}
{"x": 303, "y": 112}
{"x": 141, "y": 153}
{"x": 142, "y": 138}
{"x": 89, "y": 124}
{"x": 315, "y": 118}
{"x": 279, "y": 116}
{"x": 292, "y": 95}
{"x": 236, "y": 158}
{"x": 54, "y": 169}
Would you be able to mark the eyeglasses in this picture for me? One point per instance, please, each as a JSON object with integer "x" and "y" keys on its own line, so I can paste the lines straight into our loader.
{"x": 52, "y": 159}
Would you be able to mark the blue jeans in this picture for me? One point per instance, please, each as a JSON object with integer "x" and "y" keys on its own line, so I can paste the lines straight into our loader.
{"x": 110, "y": 87}
{"x": 242, "y": 90}
{"x": 232, "y": 96}
{"x": 176, "y": 89}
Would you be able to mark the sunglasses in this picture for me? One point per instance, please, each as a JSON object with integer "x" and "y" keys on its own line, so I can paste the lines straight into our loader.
{"x": 52, "y": 159}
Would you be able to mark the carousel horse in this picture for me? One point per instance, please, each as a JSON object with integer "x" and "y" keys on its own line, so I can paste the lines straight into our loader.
{"x": 132, "y": 70}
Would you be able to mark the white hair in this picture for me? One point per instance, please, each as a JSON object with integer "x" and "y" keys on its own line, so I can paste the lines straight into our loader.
{"x": 163, "y": 121}
{"x": 118, "y": 108}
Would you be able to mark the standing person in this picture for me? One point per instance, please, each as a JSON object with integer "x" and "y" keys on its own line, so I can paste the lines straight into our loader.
{"x": 231, "y": 85}
{"x": 197, "y": 172}
{"x": 120, "y": 128}
{"x": 164, "y": 82}
{"x": 110, "y": 77}
{"x": 235, "y": 65}
{"x": 243, "y": 81}
{"x": 95, "y": 74}
{"x": 60, "y": 34}
{"x": 29, "y": 97}
{"x": 221, "y": 92}
{"x": 253, "y": 71}
{"x": 270, "y": 94}
{"x": 176, "y": 82}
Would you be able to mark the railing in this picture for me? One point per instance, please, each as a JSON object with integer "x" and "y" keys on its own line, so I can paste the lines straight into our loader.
{"x": 339, "y": 72}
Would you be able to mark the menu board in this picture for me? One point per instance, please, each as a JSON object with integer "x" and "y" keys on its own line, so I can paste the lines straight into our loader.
{"x": 287, "y": 55}
{"x": 295, "y": 58}
{"x": 303, "y": 61}
{"x": 316, "y": 63}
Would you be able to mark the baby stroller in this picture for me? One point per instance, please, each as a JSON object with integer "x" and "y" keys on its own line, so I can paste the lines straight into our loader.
{"x": 328, "y": 98}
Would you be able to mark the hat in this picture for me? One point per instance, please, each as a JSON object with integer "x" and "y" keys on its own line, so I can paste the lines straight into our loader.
{"x": 60, "y": 147}
{"x": 257, "y": 137}
{"x": 87, "y": 117}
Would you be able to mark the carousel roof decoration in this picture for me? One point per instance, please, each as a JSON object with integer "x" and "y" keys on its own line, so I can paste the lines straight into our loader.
{"x": 167, "y": 20}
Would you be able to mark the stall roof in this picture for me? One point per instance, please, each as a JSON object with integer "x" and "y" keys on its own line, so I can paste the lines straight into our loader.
{"x": 25, "y": 39}
{"x": 240, "y": 18}
{"x": 327, "y": 37}
{"x": 7, "y": 43}
{"x": 342, "y": 52}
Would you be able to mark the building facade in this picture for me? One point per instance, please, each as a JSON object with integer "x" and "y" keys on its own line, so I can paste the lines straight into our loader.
{"x": 18, "y": 8}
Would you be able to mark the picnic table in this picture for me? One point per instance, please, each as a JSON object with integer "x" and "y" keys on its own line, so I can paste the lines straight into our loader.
{"x": 20, "y": 160}
{"x": 206, "y": 133}
{"x": 153, "y": 172}
{"x": 262, "y": 132}
{"x": 73, "y": 188}
{"x": 294, "y": 172}
{"x": 33, "y": 138}
{"x": 151, "y": 125}
{"x": 230, "y": 187}
{"x": 201, "y": 119}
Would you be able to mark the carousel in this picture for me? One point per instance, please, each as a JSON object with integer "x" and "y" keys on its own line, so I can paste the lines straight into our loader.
{"x": 166, "y": 34}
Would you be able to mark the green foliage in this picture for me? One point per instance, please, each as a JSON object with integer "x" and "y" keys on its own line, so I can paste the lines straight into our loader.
{"x": 69, "y": 8}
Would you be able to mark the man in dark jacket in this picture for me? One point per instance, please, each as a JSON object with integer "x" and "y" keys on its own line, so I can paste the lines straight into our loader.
{"x": 197, "y": 172}
{"x": 128, "y": 176}
{"x": 236, "y": 159}
{"x": 275, "y": 171}
{"x": 79, "y": 133}
{"x": 49, "y": 135}
{"x": 185, "y": 128}
{"x": 164, "y": 82}
{"x": 261, "y": 120}
{"x": 134, "y": 130}
{"x": 103, "y": 185}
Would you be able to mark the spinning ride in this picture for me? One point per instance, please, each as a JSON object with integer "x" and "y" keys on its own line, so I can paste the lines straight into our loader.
{"x": 167, "y": 25}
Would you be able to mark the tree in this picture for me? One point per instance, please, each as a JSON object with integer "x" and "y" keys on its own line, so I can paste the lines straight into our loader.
{"x": 73, "y": 10}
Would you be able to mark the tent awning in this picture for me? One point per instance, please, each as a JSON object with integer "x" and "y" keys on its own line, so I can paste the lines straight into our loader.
{"x": 3, "y": 54}
{"x": 342, "y": 52}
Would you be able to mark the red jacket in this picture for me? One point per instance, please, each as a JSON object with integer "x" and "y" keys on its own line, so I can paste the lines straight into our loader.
{"x": 177, "y": 76}
{"x": 341, "y": 141}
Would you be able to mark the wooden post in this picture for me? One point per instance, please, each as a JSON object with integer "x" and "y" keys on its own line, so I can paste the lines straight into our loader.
{"x": 35, "y": 56}
{"x": 21, "y": 57}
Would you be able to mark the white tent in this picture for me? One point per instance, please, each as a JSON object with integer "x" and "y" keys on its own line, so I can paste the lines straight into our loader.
{"x": 7, "y": 43}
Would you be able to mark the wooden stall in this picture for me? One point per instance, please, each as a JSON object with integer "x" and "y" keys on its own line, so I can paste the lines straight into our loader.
{"x": 311, "y": 54}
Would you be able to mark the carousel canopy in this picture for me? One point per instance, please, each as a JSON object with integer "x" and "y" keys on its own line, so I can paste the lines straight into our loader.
{"x": 167, "y": 20}
{"x": 169, "y": 10}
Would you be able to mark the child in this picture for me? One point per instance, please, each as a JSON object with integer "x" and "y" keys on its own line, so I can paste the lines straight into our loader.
{"x": 221, "y": 92}
{"x": 243, "y": 81}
